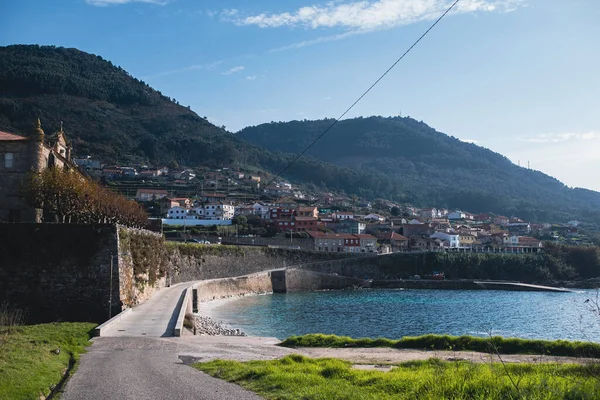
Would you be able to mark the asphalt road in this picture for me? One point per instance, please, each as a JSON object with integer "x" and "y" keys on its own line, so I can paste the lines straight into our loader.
{"x": 147, "y": 368}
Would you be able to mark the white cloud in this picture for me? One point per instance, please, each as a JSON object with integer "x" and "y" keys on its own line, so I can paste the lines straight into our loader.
{"x": 104, "y": 3}
{"x": 234, "y": 70}
{"x": 367, "y": 15}
{"x": 251, "y": 77}
{"x": 469, "y": 140}
{"x": 560, "y": 137}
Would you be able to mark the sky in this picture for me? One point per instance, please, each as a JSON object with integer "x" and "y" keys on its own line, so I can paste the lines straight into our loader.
{"x": 519, "y": 77}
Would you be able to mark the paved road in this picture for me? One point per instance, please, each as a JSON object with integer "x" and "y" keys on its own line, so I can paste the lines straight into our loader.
{"x": 149, "y": 368}
{"x": 154, "y": 318}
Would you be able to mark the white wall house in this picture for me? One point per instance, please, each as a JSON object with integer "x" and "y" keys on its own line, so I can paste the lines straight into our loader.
{"x": 218, "y": 211}
{"x": 261, "y": 210}
{"x": 510, "y": 240}
{"x": 177, "y": 213}
{"x": 374, "y": 217}
{"x": 342, "y": 215}
{"x": 451, "y": 238}
{"x": 457, "y": 215}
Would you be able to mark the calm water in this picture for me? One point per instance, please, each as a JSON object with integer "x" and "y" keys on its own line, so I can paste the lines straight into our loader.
{"x": 397, "y": 313}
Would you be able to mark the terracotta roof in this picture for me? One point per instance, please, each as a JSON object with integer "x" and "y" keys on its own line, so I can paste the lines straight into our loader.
{"x": 10, "y": 137}
{"x": 393, "y": 236}
{"x": 364, "y": 236}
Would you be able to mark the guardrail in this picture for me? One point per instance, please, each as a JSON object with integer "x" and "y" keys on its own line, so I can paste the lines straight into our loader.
{"x": 186, "y": 307}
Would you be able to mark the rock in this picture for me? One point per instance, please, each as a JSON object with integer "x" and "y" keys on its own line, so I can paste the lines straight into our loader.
{"x": 206, "y": 326}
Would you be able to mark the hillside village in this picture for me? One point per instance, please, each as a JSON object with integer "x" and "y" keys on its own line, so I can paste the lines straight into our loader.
{"x": 256, "y": 211}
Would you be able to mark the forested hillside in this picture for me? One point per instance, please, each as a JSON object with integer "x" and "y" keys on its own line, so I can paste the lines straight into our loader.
{"x": 115, "y": 117}
{"x": 429, "y": 166}
{"x": 106, "y": 112}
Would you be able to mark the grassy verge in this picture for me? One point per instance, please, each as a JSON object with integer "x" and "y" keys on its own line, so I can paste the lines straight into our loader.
{"x": 298, "y": 377}
{"x": 29, "y": 364}
{"x": 494, "y": 344}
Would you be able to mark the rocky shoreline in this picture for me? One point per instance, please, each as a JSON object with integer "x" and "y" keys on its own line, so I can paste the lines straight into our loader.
{"x": 207, "y": 326}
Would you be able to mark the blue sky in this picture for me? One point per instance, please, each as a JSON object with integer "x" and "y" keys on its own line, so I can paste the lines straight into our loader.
{"x": 517, "y": 76}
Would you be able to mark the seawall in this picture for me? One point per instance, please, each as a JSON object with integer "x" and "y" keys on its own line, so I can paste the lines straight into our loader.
{"x": 275, "y": 281}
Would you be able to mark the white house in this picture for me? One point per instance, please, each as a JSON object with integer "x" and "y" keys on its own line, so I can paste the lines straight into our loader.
{"x": 510, "y": 240}
{"x": 457, "y": 215}
{"x": 177, "y": 213}
{"x": 219, "y": 211}
{"x": 451, "y": 238}
{"x": 261, "y": 210}
{"x": 374, "y": 217}
{"x": 342, "y": 215}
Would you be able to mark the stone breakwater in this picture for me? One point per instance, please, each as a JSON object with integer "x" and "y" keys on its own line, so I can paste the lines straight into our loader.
{"x": 207, "y": 326}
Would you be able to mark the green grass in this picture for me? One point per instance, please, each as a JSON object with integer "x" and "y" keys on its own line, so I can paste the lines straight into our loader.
{"x": 299, "y": 377}
{"x": 29, "y": 366}
{"x": 494, "y": 344}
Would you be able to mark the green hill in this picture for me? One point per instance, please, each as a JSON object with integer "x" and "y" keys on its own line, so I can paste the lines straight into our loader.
{"x": 111, "y": 115}
{"x": 106, "y": 112}
{"x": 430, "y": 167}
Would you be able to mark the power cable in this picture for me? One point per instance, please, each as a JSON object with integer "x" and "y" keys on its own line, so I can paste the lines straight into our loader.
{"x": 362, "y": 95}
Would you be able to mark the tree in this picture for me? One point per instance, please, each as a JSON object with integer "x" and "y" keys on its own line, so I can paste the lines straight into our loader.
{"x": 395, "y": 211}
{"x": 64, "y": 196}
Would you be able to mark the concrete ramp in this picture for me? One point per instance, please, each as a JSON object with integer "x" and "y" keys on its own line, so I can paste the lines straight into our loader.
{"x": 157, "y": 317}
{"x": 491, "y": 285}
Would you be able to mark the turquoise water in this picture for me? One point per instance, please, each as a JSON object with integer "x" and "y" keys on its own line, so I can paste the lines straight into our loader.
{"x": 397, "y": 313}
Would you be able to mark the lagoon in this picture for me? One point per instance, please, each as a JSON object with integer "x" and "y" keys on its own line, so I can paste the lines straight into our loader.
{"x": 397, "y": 313}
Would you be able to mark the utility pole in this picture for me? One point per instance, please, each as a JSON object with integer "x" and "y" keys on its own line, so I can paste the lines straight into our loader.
{"x": 110, "y": 288}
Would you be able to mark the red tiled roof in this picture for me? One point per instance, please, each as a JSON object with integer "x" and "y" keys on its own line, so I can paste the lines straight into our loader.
{"x": 10, "y": 136}
{"x": 364, "y": 236}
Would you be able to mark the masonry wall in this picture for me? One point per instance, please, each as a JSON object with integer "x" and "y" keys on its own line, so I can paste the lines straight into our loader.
{"x": 12, "y": 208}
{"x": 188, "y": 262}
{"x": 59, "y": 272}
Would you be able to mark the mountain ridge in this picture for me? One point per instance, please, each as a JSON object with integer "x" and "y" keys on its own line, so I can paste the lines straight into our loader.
{"x": 414, "y": 155}
{"x": 111, "y": 115}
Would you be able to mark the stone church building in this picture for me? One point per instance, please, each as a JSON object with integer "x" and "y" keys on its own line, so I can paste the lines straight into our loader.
{"x": 21, "y": 155}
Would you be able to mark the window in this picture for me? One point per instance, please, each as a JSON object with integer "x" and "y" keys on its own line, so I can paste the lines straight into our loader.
{"x": 8, "y": 160}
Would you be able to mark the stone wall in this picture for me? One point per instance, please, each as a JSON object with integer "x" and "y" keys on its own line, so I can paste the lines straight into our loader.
{"x": 59, "y": 272}
{"x": 236, "y": 286}
{"x": 299, "y": 243}
{"x": 279, "y": 281}
{"x": 189, "y": 262}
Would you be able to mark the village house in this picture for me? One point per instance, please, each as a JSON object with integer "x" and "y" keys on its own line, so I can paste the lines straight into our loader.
{"x": 350, "y": 226}
{"x": 307, "y": 212}
{"x": 452, "y": 239}
{"x": 501, "y": 220}
{"x": 219, "y": 211}
{"x": 374, "y": 218}
{"x": 419, "y": 229}
{"x": 167, "y": 203}
{"x": 262, "y": 210}
{"x": 306, "y": 224}
{"x": 178, "y": 212}
{"x": 394, "y": 240}
{"x": 342, "y": 215}
{"x": 19, "y": 156}
{"x": 342, "y": 242}
{"x": 212, "y": 197}
{"x": 150, "y": 194}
